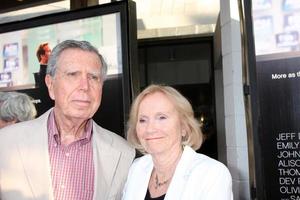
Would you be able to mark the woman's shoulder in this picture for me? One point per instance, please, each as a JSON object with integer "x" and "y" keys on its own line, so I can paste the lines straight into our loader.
{"x": 142, "y": 162}
{"x": 201, "y": 159}
{"x": 212, "y": 177}
{"x": 140, "y": 166}
{"x": 204, "y": 164}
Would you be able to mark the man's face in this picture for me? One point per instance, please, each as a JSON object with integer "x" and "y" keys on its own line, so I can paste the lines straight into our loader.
{"x": 77, "y": 86}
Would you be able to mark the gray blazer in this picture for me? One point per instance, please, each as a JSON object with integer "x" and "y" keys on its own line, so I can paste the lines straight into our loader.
{"x": 25, "y": 167}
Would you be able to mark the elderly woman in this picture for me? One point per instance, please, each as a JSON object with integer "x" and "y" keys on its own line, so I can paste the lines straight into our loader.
{"x": 15, "y": 107}
{"x": 162, "y": 125}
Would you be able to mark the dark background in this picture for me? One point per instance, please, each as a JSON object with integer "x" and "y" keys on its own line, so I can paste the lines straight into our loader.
{"x": 279, "y": 113}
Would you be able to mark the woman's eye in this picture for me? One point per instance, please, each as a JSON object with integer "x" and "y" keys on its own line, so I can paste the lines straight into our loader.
{"x": 142, "y": 120}
{"x": 162, "y": 117}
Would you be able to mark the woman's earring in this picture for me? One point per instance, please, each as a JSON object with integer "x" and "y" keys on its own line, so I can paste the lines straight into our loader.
{"x": 183, "y": 135}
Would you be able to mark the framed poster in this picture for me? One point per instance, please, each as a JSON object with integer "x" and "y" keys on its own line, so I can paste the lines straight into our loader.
{"x": 111, "y": 28}
{"x": 274, "y": 71}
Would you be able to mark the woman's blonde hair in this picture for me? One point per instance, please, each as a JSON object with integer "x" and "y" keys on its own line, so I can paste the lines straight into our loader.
{"x": 193, "y": 138}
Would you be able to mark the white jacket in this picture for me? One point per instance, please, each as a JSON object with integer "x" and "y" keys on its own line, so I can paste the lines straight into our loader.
{"x": 197, "y": 177}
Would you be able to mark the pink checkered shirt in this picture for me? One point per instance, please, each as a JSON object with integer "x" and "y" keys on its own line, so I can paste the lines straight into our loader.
{"x": 72, "y": 167}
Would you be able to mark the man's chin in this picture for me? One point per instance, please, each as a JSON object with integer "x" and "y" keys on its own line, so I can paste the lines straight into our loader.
{"x": 82, "y": 114}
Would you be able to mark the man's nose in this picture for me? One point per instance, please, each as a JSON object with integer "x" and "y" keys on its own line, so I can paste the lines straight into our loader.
{"x": 84, "y": 82}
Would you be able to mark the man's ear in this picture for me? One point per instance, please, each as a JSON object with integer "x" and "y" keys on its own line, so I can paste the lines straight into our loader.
{"x": 49, "y": 80}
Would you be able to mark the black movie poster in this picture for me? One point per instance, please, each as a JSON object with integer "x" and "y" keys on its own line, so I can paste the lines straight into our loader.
{"x": 276, "y": 30}
{"x": 279, "y": 127}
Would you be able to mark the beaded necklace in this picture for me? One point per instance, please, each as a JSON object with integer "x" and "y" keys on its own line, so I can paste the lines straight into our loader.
{"x": 159, "y": 184}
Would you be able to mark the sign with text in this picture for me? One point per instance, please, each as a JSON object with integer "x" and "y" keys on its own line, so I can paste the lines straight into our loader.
{"x": 279, "y": 128}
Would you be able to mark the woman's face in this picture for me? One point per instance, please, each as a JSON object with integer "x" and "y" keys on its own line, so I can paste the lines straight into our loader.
{"x": 158, "y": 126}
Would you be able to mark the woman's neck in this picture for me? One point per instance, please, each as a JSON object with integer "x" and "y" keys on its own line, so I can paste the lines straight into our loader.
{"x": 163, "y": 171}
{"x": 165, "y": 163}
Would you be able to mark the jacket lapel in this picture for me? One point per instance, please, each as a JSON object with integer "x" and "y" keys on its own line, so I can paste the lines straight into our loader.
{"x": 106, "y": 160}
{"x": 181, "y": 176}
{"x": 144, "y": 178}
{"x": 33, "y": 149}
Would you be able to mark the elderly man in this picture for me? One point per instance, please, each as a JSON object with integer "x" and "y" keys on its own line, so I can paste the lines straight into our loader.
{"x": 64, "y": 154}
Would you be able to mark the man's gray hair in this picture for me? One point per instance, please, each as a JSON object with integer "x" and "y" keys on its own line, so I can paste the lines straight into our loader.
{"x": 16, "y": 106}
{"x": 73, "y": 44}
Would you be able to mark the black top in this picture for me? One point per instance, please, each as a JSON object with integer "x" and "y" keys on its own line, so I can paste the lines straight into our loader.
{"x": 46, "y": 101}
{"x": 148, "y": 197}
